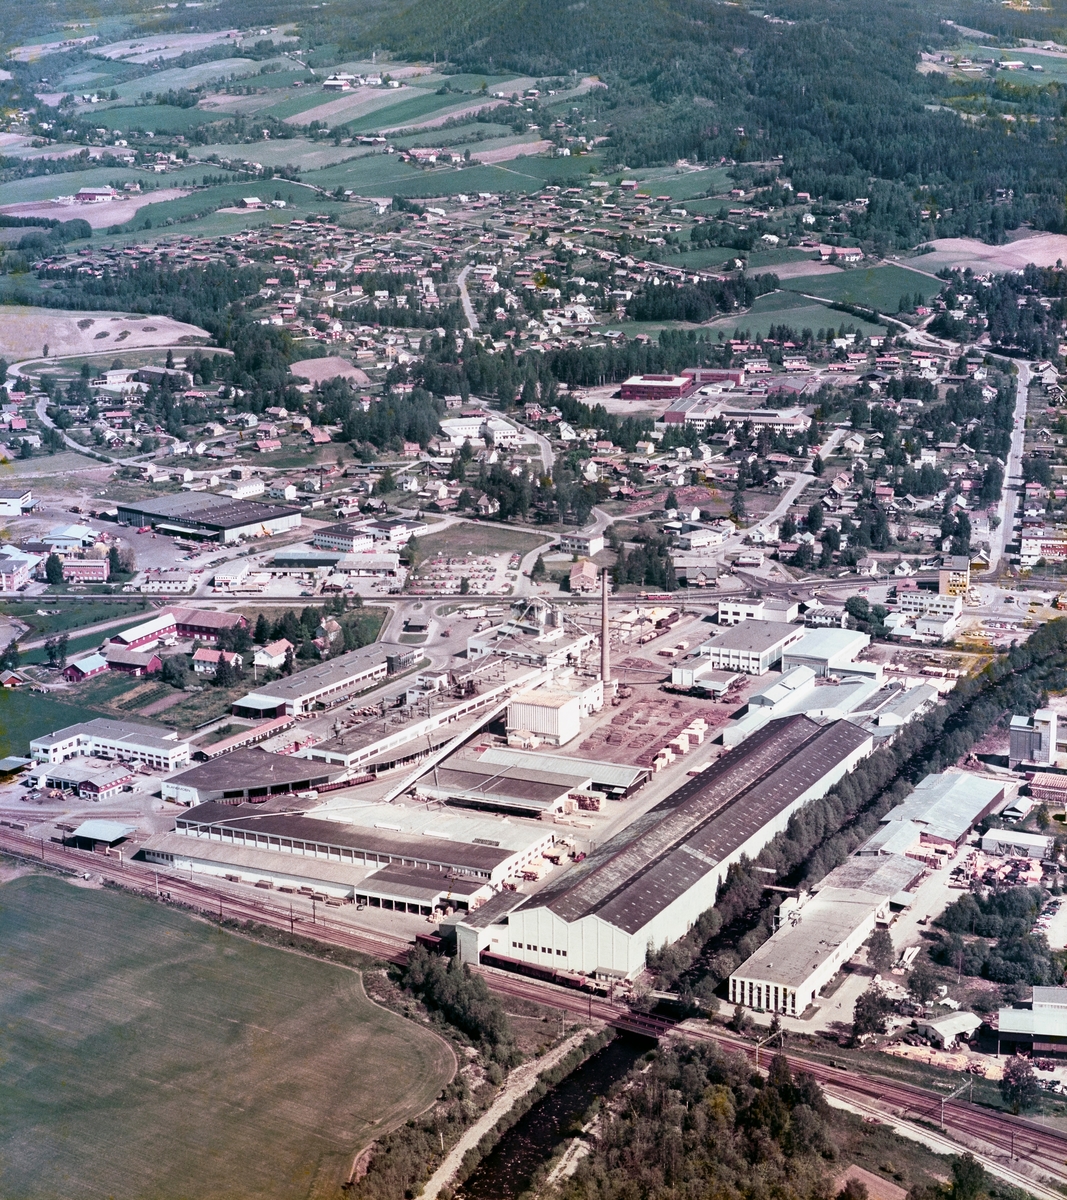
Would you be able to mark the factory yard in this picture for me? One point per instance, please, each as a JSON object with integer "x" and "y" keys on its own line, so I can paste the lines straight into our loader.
{"x": 224, "y": 1067}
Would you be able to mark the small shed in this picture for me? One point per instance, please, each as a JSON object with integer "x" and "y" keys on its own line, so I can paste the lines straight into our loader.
{"x": 94, "y": 834}
{"x": 946, "y": 1031}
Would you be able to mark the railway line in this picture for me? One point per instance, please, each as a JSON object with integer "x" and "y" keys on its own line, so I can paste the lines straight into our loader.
{"x": 998, "y": 1139}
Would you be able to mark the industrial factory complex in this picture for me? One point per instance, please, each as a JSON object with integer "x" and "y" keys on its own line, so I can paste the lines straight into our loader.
{"x": 499, "y": 799}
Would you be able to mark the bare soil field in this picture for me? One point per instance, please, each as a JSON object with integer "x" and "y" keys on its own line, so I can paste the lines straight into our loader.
{"x": 1041, "y": 249}
{"x": 99, "y": 216}
{"x": 507, "y": 153}
{"x": 317, "y": 370}
{"x": 449, "y": 115}
{"x": 356, "y": 103}
{"x": 24, "y": 332}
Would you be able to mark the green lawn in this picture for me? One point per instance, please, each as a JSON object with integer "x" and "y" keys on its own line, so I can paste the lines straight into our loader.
{"x": 71, "y": 615}
{"x": 875, "y": 287}
{"x": 25, "y": 715}
{"x": 144, "y": 1054}
{"x": 787, "y": 308}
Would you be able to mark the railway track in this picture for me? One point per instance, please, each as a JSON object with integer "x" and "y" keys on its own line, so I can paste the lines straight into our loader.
{"x": 998, "y": 1138}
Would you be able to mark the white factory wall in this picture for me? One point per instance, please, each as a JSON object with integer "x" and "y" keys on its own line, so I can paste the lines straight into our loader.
{"x": 591, "y": 942}
{"x": 273, "y": 525}
{"x": 772, "y": 994}
{"x": 555, "y": 723}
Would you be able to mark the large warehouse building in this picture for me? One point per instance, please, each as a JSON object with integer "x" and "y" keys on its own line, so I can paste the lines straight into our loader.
{"x": 325, "y": 683}
{"x": 247, "y": 773}
{"x": 752, "y": 647}
{"x": 649, "y": 883}
{"x": 371, "y": 836}
{"x": 819, "y": 934}
{"x": 207, "y": 517}
{"x": 104, "y": 738}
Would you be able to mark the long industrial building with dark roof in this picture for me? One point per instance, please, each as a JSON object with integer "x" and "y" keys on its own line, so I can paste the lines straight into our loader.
{"x": 648, "y": 884}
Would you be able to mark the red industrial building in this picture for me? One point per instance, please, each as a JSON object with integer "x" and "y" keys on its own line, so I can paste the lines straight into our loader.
{"x": 657, "y": 387}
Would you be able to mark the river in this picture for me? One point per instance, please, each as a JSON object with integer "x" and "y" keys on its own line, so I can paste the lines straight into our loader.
{"x": 506, "y": 1171}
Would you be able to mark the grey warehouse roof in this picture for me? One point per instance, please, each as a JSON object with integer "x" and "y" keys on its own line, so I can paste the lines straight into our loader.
{"x": 246, "y": 818}
{"x": 754, "y": 636}
{"x": 946, "y": 806}
{"x": 252, "y": 767}
{"x": 636, "y": 874}
{"x": 613, "y": 775}
{"x": 322, "y": 675}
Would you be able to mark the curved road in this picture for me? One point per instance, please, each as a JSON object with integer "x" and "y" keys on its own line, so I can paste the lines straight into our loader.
{"x": 465, "y": 300}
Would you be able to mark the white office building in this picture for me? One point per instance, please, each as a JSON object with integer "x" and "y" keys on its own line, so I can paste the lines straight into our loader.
{"x": 101, "y": 738}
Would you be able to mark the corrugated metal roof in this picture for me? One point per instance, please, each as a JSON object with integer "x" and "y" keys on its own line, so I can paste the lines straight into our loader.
{"x": 103, "y": 831}
{"x": 613, "y": 775}
{"x": 665, "y": 851}
{"x": 946, "y": 806}
{"x": 394, "y": 844}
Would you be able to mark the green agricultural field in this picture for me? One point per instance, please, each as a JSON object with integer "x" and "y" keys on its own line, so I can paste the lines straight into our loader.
{"x": 469, "y": 537}
{"x": 764, "y": 260}
{"x": 206, "y": 200}
{"x": 154, "y": 118}
{"x": 683, "y": 185}
{"x": 25, "y": 715}
{"x": 145, "y": 1054}
{"x": 875, "y": 287}
{"x": 296, "y": 152}
{"x": 785, "y": 308}
{"x": 408, "y": 111}
{"x": 191, "y": 77}
{"x": 47, "y": 187}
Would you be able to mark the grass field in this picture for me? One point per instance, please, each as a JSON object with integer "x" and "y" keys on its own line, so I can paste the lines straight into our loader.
{"x": 143, "y": 1054}
{"x": 787, "y": 308}
{"x": 191, "y": 77}
{"x": 480, "y": 539}
{"x": 25, "y": 715}
{"x": 763, "y": 260}
{"x": 46, "y": 187}
{"x": 680, "y": 184}
{"x": 875, "y": 287}
{"x": 69, "y": 615}
{"x": 224, "y": 196}
{"x": 154, "y": 118}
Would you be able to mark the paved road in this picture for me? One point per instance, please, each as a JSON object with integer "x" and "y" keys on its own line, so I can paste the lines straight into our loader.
{"x": 1009, "y": 498}
{"x": 548, "y": 455}
{"x": 465, "y": 300}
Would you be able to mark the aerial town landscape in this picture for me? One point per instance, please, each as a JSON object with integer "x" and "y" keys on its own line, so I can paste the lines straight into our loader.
{"x": 533, "y": 658}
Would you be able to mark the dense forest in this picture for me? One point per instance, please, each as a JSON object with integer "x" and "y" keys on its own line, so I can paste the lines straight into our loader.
{"x": 696, "y": 1122}
{"x": 830, "y": 87}
{"x": 991, "y": 935}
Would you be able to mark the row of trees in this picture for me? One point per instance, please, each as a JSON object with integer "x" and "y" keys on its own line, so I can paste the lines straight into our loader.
{"x": 822, "y": 834}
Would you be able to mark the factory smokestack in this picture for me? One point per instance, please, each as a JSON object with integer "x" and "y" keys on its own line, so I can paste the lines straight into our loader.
{"x": 605, "y": 652}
